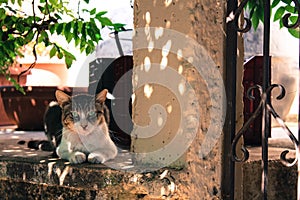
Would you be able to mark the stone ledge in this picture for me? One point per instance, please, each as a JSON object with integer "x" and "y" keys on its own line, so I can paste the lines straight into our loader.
{"x": 282, "y": 180}
{"x": 34, "y": 174}
{"x": 31, "y": 174}
{"x": 58, "y": 173}
{"x": 48, "y": 180}
{"x": 12, "y": 189}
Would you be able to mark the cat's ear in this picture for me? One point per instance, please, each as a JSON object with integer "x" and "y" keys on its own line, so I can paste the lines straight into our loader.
{"x": 62, "y": 98}
{"x": 101, "y": 97}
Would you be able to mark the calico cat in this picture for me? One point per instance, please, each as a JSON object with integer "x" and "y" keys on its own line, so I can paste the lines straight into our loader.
{"x": 77, "y": 130}
{"x": 85, "y": 135}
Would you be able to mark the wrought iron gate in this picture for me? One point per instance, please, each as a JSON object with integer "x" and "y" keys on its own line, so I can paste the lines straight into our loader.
{"x": 265, "y": 107}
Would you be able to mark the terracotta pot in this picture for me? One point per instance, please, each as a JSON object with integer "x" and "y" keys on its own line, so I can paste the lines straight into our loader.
{"x": 14, "y": 73}
{"x": 27, "y": 111}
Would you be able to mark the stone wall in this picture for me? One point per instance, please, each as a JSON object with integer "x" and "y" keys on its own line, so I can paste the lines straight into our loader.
{"x": 177, "y": 80}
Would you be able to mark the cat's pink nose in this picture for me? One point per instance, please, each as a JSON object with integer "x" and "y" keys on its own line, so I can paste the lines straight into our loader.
{"x": 84, "y": 126}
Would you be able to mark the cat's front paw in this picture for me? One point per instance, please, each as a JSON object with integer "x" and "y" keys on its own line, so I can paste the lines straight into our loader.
{"x": 96, "y": 158}
{"x": 77, "y": 157}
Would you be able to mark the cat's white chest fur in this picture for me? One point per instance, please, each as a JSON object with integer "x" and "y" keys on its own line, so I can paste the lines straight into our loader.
{"x": 95, "y": 147}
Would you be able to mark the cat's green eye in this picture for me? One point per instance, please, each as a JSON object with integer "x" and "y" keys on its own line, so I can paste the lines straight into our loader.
{"x": 75, "y": 115}
{"x": 92, "y": 114}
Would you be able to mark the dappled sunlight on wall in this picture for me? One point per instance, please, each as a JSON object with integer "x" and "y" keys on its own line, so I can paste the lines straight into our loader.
{"x": 169, "y": 66}
{"x": 178, "y": 88}
{"x": 148, "y": 90}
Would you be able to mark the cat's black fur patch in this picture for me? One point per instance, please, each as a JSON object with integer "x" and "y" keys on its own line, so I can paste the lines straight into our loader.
{"x": 53, "y": 130}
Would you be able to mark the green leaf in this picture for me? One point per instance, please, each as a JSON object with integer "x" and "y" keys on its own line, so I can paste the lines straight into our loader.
{"x": 118, "y": 26}
{"x": 80, "y": 24}
{"x": 88, "y": 50}
{"x": 60, "y": 55}
{"x": 85, "y": 10}
{"x": 288, "y": 2}
{"x": 105, "y": 21}
{"x": 68, "y": 62}
{"x": 98, "y": 36}
{"x": 53, "y": 2}
{"x": 45, "y": 35}
{"x": 53, "y": 51}
{"x": 275, "y": 3}
{"x": 91, "y": 43}
{"x": 41, "y": 8}
{"x": 75, "y": 28}
{"x": 3, "y": 1}
{"x": 100, "y": 14}
{"x": 77, "y": 40}
{"x": 82, "y": 45}
{"x": 260, "y": 13}
{"x": 92, "y": 35}
{"x": 67, "y": 32}
{"x": 57, "y": 16}
{"x": 2, "y": 14}
{"x": 69, "y": 58}
{"x": 20, "y": 28}
{"x": 294, "y": 32}
{"x": 93, "y": 11}
{"x": 281, "y": 23}
{"x": 250, "y": 5}
{"x": 94, "y": 27}
{"x": 69, "y": 36}
{"x": 293, "y": 19}
{"x": 59, "y": 28}
{"x": 279, "y": 13}
{"x": 68, "y": 27}
{"x": 290, "y": 9}
{"x": 255, "y": 21}
{"x": 29, "y": 37}
{"x": 19, "y": 41}
{"x": 15, "y": 83}
{"x": 51, "y": 29}
{"x": 83, "y": 32}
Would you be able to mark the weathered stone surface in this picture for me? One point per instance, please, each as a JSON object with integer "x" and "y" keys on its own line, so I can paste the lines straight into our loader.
{"x": 11, "y": 189}
{"x": 159, "y": 24}
{"x": 282, "y": 181}
{"x": 35, "y": 180}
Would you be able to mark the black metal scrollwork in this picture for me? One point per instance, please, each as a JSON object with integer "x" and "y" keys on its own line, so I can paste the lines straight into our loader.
{"x": 286, "y": 17}
{"x": 265, "y": 107}
{"x": 271, "y": 110}
{"x": 237, "y": 14}
{"x": 247, "y": 125}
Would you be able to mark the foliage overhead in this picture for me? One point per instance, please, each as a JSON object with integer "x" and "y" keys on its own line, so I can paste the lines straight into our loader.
{"x": 45, "y": 18}
{"x": 282, "y": 9}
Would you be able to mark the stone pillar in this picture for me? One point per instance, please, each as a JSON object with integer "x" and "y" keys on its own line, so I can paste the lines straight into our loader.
{"x": 179, "y": 97}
